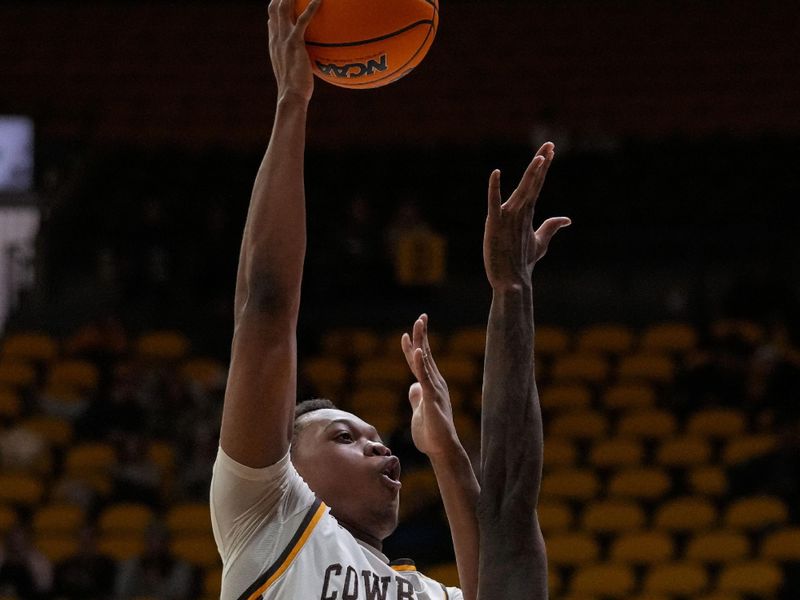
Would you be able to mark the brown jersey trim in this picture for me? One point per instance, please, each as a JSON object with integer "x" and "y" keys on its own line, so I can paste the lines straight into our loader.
{"x": 260, "y": 585}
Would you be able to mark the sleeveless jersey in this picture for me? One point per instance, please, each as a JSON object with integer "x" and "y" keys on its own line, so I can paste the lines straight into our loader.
{"x": 279, "y": 542}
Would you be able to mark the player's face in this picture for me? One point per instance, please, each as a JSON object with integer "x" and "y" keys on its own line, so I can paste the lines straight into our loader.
{"x": 345, "y": 463}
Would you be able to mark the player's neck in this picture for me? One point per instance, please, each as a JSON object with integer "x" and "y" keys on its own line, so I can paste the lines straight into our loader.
{"x": 363, "y": 536}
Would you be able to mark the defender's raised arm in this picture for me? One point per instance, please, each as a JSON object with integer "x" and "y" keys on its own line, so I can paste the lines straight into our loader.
{"x": 260, "y": 395}
{"x": 513, "y": 562}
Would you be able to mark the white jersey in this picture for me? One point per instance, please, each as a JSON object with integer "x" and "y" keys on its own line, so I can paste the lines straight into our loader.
{"x": 279, "y": 542}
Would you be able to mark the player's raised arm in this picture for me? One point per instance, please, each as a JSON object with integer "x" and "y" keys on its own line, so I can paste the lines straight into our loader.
{"x": 435, "y": 435}
{"x": 260, "y": 395}
{"x": 513, "y": 560}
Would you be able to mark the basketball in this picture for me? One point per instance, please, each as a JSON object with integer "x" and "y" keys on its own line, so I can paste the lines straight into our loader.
{"x": 364, "y": 44}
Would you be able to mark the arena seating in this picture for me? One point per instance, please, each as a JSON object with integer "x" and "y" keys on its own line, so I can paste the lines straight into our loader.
{"x": 635, "y": 502}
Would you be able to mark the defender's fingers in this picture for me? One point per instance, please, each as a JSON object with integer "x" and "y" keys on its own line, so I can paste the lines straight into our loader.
{"x": 408, "y": 352}
{"x": 546, "y": 232}
{"x": 520, "y": 196}
{"x": 426, "y": 345}
{"x": 305, "y": 18}
{"x": 418, "y": 333}
{"x": 495, "y": 199}
{"x": 424, "y": 376}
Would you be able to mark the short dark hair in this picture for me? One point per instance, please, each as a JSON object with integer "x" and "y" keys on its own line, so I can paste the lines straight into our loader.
{"x": 307, "y": 406}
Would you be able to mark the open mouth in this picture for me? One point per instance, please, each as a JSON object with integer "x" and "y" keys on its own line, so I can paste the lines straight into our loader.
{"x": 390, "y": 473}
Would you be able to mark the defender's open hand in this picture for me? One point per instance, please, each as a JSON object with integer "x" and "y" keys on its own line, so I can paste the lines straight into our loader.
{"x": 510, "y": 245}
{"x": 432, "y": 420}
{"x": 287, "y": 49}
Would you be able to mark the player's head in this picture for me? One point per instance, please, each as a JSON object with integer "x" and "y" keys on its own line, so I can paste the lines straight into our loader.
{"x": 344, "y": 461}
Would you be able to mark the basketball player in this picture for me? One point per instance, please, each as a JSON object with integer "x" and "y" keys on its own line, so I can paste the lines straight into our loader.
{"x": 301, "y": 499}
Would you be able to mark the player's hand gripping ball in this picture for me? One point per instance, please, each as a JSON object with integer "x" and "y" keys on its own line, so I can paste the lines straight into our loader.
{"x": 369, "y": 43}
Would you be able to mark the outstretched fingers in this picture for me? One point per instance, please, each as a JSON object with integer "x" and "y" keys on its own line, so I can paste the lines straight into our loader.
{"x": 530, "y": 185}
{"x": 546, "y": 232}
{"x": 495, "y": 198}
{"x": 305, "y": 18}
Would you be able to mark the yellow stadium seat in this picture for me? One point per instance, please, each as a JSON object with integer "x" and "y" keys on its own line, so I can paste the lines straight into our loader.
{"x": 376, "y": 398}
{"x": 657, "y": 368}
{"x": 56, "y": 432}
{"x": 446, "y": 574}
{"x": 608, "y": 580}
{"x": 328, "y": 375}
{"x": 571, "y": 549}
{"x": 554, "y": 582}
{"x": 744, "y": 448}
{"x": 613, "y": 339}
{"x": 163, "y": 455}
{"x": 125, "y": 519}
{"x": 554, "y": 516}
{"x": 20, "y": 489}
{"x": 467, "y": 340}
{"x": 613, "y": 516}
{"x": 559, "y": 453}
{"x": 648, "y": 423}
{"x": 717, "y": 423}
{"x": 551, "y": 340}
{"x": 708, "y": 481}
{"x": 350, "y": 343}
{"x": 198, "y": 550}
{"x": 680, "y": 578}
{"x": 208, "y": 373}
{"x": 459, "y": 370}
{"x": 164, "y": 346}
{"x": 212, "y": 582}
{"x": 77, "y": 374}
{"x": 747, "y": 331}
{"x": 629, "y": 395}
{"x": 121, "y": 547}
{"x": 645, "y": 483}
{"x": 34, "y": 346}
{"x": 615, "y": 452}
{"x": 90, "y": 457}
{"x": 719, "y": 546}
{"x": 643, "y": 547}
{"x": 189, "y": 517}
{"x": 576, "y": 484}
{"x": 10, "y": 404}
{"x": 16, "y": 374}
{"x": 686, "y": 451}
{"x": 57, "y": 547}
{"x": 755, "y": 513}
{"x": 685, "y": 514}
{"x": 758, "y": 578}
{"x": 783, "y": 546}
{"x": 589, "y": 368}
{"x": 669, "y": 337}
{"x": 579, "y": 424}
{"x": 383, "y": 371}
{"x": 8, "y": 518}
{"x": 62, "y": 519}
{"x": 719, "y": 596}
{"x": 565, "y": 396}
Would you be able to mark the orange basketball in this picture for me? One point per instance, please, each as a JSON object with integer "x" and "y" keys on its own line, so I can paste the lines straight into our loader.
{"x": 369, "y": 43}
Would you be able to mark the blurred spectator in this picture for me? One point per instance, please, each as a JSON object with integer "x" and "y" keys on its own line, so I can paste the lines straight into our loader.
{"x": 101, "y": 340}
{"x": 21, "y": 449}
{"x": 156, "y": 573}
{"x": 89, "y": 575}
{"x": 136, "y": 477}
{"x": 24, "y": 571}
{"x": 418, "y": 253}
